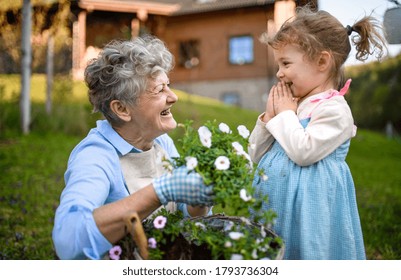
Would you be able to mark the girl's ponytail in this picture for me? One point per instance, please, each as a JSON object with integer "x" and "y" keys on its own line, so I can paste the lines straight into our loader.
{"x": 369, "y": 41}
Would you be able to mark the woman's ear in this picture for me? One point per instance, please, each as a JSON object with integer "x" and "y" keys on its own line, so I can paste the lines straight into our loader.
{"x": 122, "y": 111}
{"x": 324, "y": 61}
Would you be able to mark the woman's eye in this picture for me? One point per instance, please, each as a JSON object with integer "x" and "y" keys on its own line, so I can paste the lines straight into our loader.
{"x": 159, "y": 89}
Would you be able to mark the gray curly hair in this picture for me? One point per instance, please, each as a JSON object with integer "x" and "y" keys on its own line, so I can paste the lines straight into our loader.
{"x": 122, "y": 71}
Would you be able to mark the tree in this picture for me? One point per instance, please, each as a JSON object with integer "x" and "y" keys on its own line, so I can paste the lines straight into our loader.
{"x": 42, "y": 27}
{"x": 26, "y": 52}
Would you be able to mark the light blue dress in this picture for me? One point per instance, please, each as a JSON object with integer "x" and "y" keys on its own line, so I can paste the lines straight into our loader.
{"x": 317, "y": 214}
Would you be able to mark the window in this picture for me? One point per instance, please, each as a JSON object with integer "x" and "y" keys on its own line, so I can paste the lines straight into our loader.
{"x": 240, "y": 50}
{"x": 231, "y": 98}
{"x": 189, "y": 54}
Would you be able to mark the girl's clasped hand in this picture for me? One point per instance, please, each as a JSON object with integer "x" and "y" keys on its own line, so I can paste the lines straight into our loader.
{"x": 280, "y": 99}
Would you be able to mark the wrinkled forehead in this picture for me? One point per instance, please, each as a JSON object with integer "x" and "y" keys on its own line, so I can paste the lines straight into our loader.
{"x": 160, "y": 78}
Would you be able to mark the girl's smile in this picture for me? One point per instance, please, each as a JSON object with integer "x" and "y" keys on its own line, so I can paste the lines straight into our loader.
{"x": 303, "y": 76}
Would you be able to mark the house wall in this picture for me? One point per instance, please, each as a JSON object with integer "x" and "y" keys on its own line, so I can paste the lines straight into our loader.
{"x": 215, "y": 76}
{"x": 213, "y": 31}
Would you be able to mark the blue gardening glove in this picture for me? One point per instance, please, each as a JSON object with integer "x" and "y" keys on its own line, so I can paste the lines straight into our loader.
{"x": 181, "y": 186}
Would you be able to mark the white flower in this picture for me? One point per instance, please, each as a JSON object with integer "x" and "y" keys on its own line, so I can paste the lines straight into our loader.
{"x": 192, "y": 162}
{"x": 168, "y": 166}
{"x": 238, "y": 148}
{"x": 200, "y": 225}
{"x": 222, "y": 163}
{"x": 228, "y": 226}
{"x": 244, "y": 195}
{"x": 245, "y": 221}
{"x": 205, "y": 136}
{"x": 243, "y": 131}
{"x": 248, "y": 157}
{"x": 228, "y": 244}
{"x": 252, "y": 146}
{"x": 254, "y": 254}
{"x": 234, "y": 235}
{"x": 240, "y": 151}
{"x": 237, "y": 257}
{"x": 207, "y": 142}
{"x": 224, "y": 128}
{"x": 203, "y": 131}
{"x": 262, "y": 231}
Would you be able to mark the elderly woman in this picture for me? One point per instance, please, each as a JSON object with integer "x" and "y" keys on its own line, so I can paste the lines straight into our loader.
{"x": 118, "y": 168}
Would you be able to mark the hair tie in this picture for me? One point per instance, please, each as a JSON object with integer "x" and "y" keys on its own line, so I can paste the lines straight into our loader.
{"x": 349, "y": 29}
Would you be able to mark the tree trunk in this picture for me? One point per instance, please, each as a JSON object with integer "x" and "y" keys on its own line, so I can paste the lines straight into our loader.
{"x": 49, "y": 74}
{"x": 25, "y": 105}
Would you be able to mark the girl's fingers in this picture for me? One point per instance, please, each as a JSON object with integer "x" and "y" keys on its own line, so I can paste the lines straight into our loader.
{"x": 272, "y": 90}
{"x": 287, "y": 91}
{"x": 280, "y": 91}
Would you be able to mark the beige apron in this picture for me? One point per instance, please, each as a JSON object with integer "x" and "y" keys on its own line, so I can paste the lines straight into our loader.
{"x": 139, "y": 169}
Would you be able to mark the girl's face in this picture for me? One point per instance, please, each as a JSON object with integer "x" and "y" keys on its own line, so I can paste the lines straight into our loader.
{"x": 152, "y": 115}
{"x": 302, "y": 75}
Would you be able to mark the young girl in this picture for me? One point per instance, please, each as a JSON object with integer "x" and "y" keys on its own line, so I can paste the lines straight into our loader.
{"x": 302, "y": 139}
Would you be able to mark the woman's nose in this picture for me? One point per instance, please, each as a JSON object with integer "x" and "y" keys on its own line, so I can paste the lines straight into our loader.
{"x": 171, "y": 96}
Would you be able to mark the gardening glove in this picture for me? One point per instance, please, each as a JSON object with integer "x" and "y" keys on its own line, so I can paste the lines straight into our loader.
{"x": 183, "y": 186}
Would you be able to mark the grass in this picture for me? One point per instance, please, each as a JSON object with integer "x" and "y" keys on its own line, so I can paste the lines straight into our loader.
{"x": 375, "y": 164}
{"x": 32, "y": 167}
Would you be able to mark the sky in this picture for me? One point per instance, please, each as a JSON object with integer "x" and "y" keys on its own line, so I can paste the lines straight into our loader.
{"x": 349, "y": 11}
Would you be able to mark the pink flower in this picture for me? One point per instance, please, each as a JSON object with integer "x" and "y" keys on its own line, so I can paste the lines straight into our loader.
{"x": 152, "y": 243}
{"x": 115, "y": 252}
{"x": 159, "y": 222}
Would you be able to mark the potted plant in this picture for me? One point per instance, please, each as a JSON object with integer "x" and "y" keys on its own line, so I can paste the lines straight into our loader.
{"x": 219, "y": 155}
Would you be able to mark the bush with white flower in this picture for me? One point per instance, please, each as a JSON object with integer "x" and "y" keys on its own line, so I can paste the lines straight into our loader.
{"x": 219, "y": 155}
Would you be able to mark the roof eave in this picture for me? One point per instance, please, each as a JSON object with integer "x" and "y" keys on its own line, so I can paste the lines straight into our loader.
{"x": 128, "y": 7}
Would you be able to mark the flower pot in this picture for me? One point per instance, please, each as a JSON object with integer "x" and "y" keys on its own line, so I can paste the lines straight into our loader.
{"x": 186, "y": 247}
{"x": 220, "y": 222}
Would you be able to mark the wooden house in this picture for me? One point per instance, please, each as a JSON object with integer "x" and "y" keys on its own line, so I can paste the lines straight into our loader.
{"x": 215, "y": 42}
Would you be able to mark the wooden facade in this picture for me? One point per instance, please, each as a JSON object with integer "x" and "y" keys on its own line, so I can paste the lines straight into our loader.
{"x": 215, "y": 42}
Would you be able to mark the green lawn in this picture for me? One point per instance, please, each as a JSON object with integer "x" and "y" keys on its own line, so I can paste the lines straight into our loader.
{"x": 32, "y": 168}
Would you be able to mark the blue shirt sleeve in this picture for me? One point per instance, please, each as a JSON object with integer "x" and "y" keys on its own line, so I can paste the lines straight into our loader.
{"x": 92, "y": 180}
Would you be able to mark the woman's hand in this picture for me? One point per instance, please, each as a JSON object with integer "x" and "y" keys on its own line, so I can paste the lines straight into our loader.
{"x": 183, "y": 186}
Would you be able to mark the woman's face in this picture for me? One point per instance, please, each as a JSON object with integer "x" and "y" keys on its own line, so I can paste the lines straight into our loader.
{"x": 152, "y": 113}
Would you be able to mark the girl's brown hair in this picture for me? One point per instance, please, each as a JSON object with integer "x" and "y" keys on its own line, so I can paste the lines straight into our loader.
{"x": 319, "y": 31}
